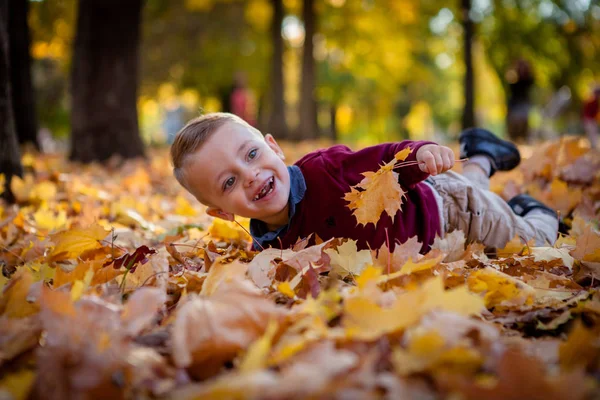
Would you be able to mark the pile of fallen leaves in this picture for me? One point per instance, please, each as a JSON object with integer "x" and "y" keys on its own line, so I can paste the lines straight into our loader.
{"x": 116, "y": 284}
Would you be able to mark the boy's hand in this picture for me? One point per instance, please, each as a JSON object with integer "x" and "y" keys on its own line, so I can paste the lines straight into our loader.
{"x": 435, "y": 159}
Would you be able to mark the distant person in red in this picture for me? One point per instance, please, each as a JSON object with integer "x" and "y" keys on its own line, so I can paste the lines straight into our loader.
{"x": 520, "y": 79}
{"x": 241, "y": 100}
{"x": 590, "y": 114}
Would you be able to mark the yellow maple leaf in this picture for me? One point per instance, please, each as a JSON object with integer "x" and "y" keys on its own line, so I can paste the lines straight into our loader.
{"x": 22, "y": 188}
{"x": 17, "y": 385}
{"x": 410, "y": 267}
{"x": 364, "y": 319}
{"x": 41, "y": 271}
{"x": 348, "y": 260}
{"x": 75, "y": 241}
{"x": 286, "y": 289}
{"x": 500, "y": 289}
{"x": 515, "y": 247}
{"x": 326, "y": 306}
{"x": 377, "y": 192}
{"x": 288, "y": 347}
{"x": 256, "y": 356}
{"x": 229, "y": 230}
{"x": 402, "y": 154}
{"x": 561, "y": 197}
{"x": 80, "y": 286}
{"x": 2, "y": 182}
{"x": 44, "y": 191}
{"x": 50, "y": 220}
{"x": 183, "y": 207}
{"x": 370, "y": 274}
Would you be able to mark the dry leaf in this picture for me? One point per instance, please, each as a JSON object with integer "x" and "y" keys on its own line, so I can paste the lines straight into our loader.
{"x": 453, "y": 245}
{"x": 500, "y": 289}
{"x": 211, "y": 330}
{"x": 75, "y": 241}
{"x": 377, "y": 192}
{"x": 347, "y": 260}
{"x": 402, "y": 252}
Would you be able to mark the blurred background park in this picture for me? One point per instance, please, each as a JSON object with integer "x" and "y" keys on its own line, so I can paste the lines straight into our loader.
{"x": 353, "y": 71}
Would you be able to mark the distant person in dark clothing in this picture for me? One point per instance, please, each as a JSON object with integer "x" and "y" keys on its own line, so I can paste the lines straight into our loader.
{"x": 520, "y": 80}
{"x": 238, "y": 99}
{"x": 590, "y": 114}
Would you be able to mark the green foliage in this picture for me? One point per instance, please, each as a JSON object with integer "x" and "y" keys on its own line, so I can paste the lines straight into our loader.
{"x": 391, "y": 68}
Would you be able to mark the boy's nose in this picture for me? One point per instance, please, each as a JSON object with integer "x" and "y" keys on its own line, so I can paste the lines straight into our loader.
{"x": 251, "y": 177}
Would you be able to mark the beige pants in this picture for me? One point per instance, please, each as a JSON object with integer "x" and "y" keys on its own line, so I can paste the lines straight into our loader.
{"x": 468, "y": 205}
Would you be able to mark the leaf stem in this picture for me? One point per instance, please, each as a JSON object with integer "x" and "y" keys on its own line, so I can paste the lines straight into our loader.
{"x": 249, "y": 234}
{"x": 401, "y": 164}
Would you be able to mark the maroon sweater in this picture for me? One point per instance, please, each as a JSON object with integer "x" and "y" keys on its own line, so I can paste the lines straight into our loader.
{"x": 329, "y": 173}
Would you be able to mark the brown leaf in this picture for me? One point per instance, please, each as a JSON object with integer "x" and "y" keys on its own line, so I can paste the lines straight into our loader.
{"x": 587, "y": 245}
{"x": 518, "y": 377}
{"x": 453, "y": 245}
{"x": 582, "y": 348}
{"x": 402, "y": 253}
{"x": 18, "y": 335}
{"x": 208, "y": 331}
{"x": 141, "y": 309}
{"x": 260, "y": 269}
{"x": 84, "y": 347}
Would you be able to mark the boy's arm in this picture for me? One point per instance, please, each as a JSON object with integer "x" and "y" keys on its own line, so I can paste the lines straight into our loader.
{"x": 341, "y": 160}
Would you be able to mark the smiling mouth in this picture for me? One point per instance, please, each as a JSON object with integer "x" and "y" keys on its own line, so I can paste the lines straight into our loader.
{"x": 268, "y": 188}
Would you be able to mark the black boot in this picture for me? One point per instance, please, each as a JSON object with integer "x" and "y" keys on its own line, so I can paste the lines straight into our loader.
{"x": 503, "y": 155}
{"x": 523, "y": 203}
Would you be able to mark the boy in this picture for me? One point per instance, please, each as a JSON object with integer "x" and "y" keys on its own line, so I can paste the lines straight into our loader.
{"x": 230, "y": 167}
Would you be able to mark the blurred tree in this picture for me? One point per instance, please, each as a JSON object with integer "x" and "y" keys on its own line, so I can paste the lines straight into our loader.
{"x": 468, "y": 117}
{"x": 10, "y": 158}
{"x": 561, "y": 39}
{"x": 368, "y": 53}
{"x": 277, "y": 123}
{"x": 201, "y": 44}
{"x": 104, "y": 81}
{"x": 308, "y": 127}
{"x": 22, "y": 91}
{"x": 52, "y": 27}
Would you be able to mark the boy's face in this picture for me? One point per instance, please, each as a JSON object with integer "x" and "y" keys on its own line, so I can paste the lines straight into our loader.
{"x": 238, "y": 172}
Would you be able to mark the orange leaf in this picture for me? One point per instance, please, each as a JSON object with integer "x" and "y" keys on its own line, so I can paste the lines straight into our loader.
{"x": 377, "y": 192}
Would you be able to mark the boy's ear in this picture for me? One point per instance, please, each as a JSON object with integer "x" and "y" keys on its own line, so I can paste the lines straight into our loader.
{"x": 272, "y": 143}
{"x": 218, "y": 213}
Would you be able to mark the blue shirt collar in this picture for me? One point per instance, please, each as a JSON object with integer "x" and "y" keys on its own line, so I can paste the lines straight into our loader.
{"x": 259, "y": 230}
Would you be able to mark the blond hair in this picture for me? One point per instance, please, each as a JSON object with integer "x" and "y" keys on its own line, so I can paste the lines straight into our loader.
{"x": 194, "y": 134}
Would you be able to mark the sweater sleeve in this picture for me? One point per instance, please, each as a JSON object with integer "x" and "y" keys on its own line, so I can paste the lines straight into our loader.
{"x": 410, "y": 175}
{"x": 341, "y": 161}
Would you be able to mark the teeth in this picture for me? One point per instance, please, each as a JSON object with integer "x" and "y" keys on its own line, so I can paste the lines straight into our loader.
{"x": 268, "y": 188}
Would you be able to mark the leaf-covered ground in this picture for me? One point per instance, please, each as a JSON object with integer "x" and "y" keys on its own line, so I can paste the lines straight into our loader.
{"x": 116, "y": 284}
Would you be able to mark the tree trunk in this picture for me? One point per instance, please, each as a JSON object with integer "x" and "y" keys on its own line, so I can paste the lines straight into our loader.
{"x": 277, "y": 125}
{"x": 308, "y": 127}
{"x": 332, "y": 122}
{"x": 23, "y": 100}
{"x": 10, "y": 157}
{"x": 468, "y": 117}
{"x": 104, "y": 81}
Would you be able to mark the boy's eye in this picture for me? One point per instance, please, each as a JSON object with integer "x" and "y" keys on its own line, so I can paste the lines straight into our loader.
{"x": 252, "y": 154}
{"x": 228, "y": 183}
